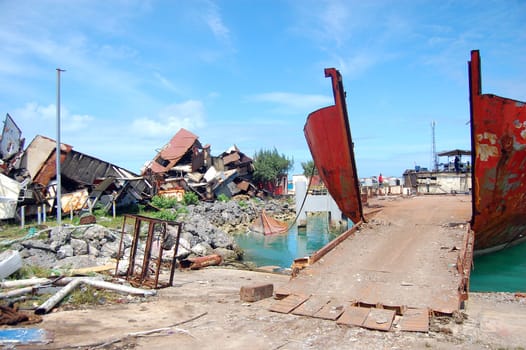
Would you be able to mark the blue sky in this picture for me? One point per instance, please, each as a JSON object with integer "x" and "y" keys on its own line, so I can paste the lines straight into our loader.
{"x": 249, "y": 72}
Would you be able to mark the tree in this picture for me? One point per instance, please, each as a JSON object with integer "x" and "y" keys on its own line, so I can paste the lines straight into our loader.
{"x": 309, "y": 168}
{"x": 269, "y": 164}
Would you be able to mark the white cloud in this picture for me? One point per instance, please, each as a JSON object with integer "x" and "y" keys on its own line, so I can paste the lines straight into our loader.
{"x": 293, "y": 102}
{"x": 335, "y": 21}
{"x": 44, "y": 117}
{"x": 76, "y": 122}
{"x": 356, "y": 64}
{"x": 165, "y": 82}
{"x": 215, "y": 23}
{"x": 189, "y": 115}
{"x": 34, "y": 111}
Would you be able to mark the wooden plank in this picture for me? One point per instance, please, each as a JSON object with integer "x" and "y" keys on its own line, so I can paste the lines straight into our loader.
{"x": 288, "y": 303}
{"x": 415, "y": 320}
{"x": 354, "y": 316}
{"x": 88, "y": 270}
{"x": 311, "y": 306}
{"x": 379, "y": 319}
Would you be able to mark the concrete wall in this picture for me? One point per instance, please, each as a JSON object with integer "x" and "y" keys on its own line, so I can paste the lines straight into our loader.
{"x": 440, "y": 183}
{"x": 314, "y": 203}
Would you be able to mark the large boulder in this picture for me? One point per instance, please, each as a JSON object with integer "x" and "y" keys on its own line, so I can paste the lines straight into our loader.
{"x": 80, "y": 247}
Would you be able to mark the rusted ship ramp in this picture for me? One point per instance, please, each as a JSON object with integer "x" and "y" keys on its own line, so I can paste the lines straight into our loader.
{"x": 410, "y": 261}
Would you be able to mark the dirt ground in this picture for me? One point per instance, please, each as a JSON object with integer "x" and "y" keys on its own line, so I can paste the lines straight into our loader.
{"x": 217, "y": 319}
{"x": 203, "y": 310}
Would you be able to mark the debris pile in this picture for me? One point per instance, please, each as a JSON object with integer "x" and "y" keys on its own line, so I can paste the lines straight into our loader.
{"x": 28, "y": 179}
{"x": 183, "y": 164}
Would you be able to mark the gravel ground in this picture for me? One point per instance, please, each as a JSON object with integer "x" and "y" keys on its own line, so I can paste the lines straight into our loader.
{"x": 203, "y": 310}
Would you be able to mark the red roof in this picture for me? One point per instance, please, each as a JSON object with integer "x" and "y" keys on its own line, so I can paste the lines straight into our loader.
{"x": 173, "y": 151}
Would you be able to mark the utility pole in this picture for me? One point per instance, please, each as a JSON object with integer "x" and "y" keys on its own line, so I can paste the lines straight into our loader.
{"x": 434, "y": 148}
{"x": 57, "y": 154}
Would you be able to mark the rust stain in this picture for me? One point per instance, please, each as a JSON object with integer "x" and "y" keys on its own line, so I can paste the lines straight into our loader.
{"x": 498, "y": 129}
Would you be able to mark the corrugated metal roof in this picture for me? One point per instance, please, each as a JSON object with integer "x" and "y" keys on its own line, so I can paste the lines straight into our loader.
{"x": 173, "y": 151}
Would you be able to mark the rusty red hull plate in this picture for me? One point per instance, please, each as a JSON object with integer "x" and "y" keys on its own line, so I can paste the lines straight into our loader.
{"x": 329, "y": 138}
{"x": 498, "y": 132}
{"x": 379, "y": 319}
{"x": 415, "y": 320}
{"x": 354, "y": 316}
{"x": 311, "y": 306}
{"x": 289, "y": 303}
{"x": 331, "y": 311}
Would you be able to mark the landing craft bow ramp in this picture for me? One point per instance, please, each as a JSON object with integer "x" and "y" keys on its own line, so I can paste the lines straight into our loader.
{"x": 410, "y": 260}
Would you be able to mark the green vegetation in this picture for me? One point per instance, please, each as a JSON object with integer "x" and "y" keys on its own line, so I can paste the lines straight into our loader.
{"x": 269, "y": 164}
{"x": 309, "y": 168}
{"x": 165, "y": 214}
{"x": 223, "y": 198}
{"x": 30, "y": 271}
{"x": 190, "y": 198}
{"x": 169, "y": 214}
{"x": 163, "y": 202}
{"x": 89, "y": 295}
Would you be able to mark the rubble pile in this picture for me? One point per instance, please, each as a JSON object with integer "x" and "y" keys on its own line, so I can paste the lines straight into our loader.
{"x": 28, "y": 179}
{"x": 183, "y": 164}
{"x": 71, "y": 247}
{"x": 236, "y": 216}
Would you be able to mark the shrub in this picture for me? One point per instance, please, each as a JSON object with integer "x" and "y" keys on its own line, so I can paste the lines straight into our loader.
{"x": 223, "y": 198}
{"x": 167, "y": 215}
{"x": 190, "y": 198}
{"x": 163, "y": 202}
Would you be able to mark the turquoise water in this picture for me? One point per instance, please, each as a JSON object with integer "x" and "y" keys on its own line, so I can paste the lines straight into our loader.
{"x": 281, "y": 249}
{"x": 502, "y": 271}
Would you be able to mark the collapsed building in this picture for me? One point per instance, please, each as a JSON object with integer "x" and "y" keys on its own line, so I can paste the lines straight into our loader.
{"x": 28, "y": 178}
{"x": 184, "y": 164}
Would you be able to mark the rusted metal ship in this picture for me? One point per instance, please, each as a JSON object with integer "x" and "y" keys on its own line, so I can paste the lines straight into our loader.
{"x": 329, "y": 138}
{"x": 498, "y": 137}
{"x": 498, "y": 158}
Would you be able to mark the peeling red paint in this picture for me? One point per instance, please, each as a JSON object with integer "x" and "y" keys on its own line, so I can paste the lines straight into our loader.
{"x": 498, "y": 132}
{"x": 329, "y": 138}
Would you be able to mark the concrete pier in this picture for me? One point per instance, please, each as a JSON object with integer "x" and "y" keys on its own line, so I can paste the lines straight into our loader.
{"x": 315, "y": 203}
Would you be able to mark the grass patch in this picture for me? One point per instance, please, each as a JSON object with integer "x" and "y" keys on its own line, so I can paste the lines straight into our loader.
{"x": 32, "y": 271}
{"x": 89, "y": 295}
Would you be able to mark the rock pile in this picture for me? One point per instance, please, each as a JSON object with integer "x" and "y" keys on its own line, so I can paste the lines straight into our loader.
{"x": 208, "y": 228}
{"x": 235, "y": 216}
{"x": 71, "y": 247}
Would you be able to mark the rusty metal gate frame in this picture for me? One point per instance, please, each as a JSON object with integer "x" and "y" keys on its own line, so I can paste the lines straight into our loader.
{"x": 142, "y": 276}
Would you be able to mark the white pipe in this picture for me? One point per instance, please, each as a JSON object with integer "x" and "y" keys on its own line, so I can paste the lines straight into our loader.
{"x": 39, "y": 215}
{"x": 22, "y": 216}
{"x": 57, "y": 297}
{"x": 119, "y": 287}
{"x": 23, "y": 283}
{"x": 16, "y": 292}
